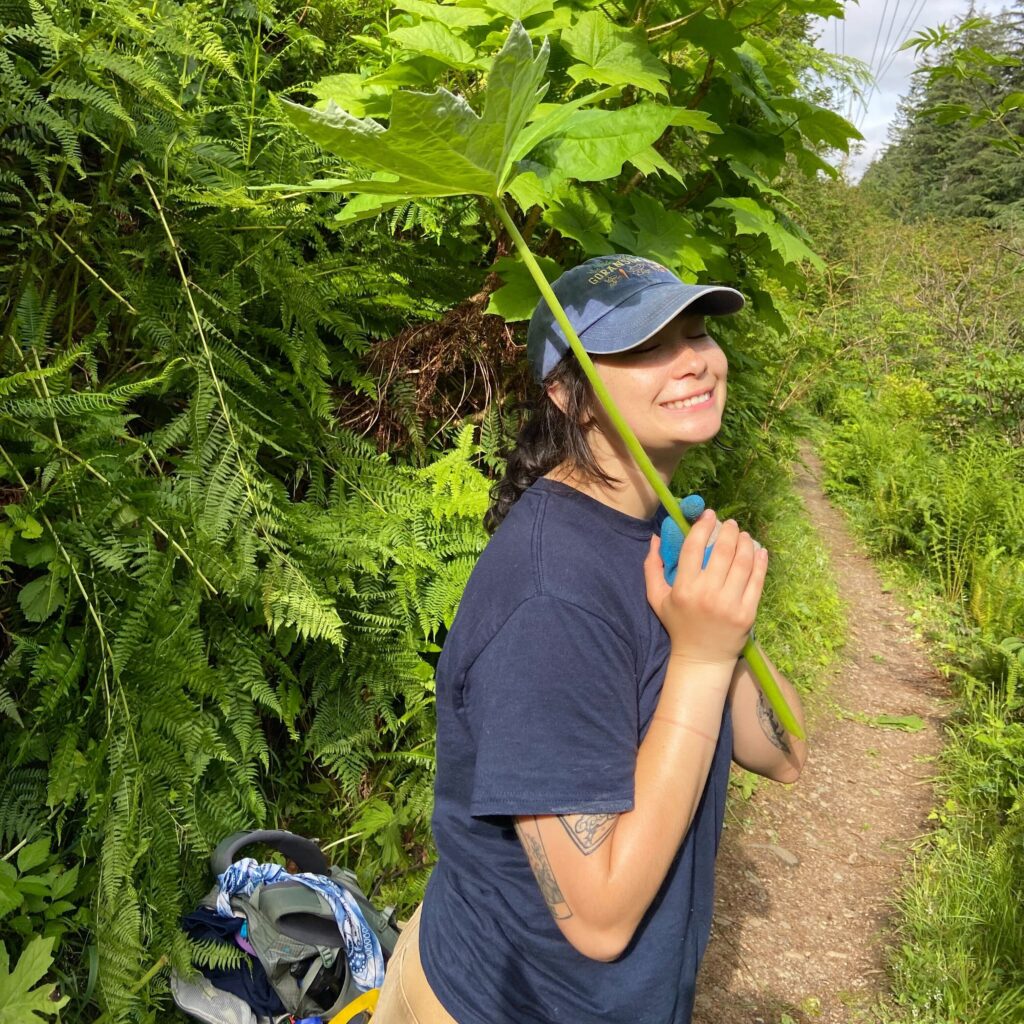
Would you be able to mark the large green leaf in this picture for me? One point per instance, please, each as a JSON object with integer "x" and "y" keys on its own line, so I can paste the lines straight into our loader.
{"x": 432, "y": 39}
{"x": 518, "y": 10}
{"x": 650, "y": 160}
{"x": 11, "y": 897}
{"x": 435, "y": 144}
{"x": 41, "y": 598}
{"x": 447, "y": 14}
{"x": 583, "y": 216}
{"x": 761, "y": 150}
{"x": 528, "y": 189}
{"x": 818, "y": 124}
{"x": 594, "y": 144}
{"x": 612, "y": 55}
{"x": 20, "y": 1001}
{"x": 357, "y": 95}
{"x": 718, "y": 37}
{"x": 750, "y": 218}
{"x": 550, "y": 118}
{"x": 516, "y": 299}
{"x": 663, "y": 235}
{"x": 363, "y": 206}
{"x": 33, "y": 855}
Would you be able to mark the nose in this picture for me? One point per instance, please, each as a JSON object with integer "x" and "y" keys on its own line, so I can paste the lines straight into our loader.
{"x": 688, "y": 359}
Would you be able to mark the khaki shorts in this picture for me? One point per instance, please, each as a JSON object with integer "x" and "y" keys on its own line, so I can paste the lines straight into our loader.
{"x": 406, "y": 997}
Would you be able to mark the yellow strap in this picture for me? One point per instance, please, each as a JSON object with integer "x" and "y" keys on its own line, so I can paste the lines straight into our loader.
{"x": 367, "y": 1001}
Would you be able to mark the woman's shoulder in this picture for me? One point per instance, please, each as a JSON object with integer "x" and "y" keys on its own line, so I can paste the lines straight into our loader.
{"x": 559, "y": 543}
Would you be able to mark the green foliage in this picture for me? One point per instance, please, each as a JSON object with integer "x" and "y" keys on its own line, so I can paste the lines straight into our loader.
{"x": 220, "y": 608}
{"x": 662, "y": 142}
{"x": 962, "y": 931}
{"x": 39, "y": 895}
{"x": 435, "y": 144}
{"x": 22, "y": 999}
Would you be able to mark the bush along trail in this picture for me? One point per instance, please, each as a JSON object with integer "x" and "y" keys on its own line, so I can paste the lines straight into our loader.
{"x": 808, "y": 874}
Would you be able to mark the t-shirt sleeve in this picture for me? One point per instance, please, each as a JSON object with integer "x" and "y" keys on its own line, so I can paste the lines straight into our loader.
{"x": 552, "y": 704}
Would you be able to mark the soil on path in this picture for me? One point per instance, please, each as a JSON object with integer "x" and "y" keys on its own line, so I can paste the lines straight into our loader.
{"x": 806, "y": 878}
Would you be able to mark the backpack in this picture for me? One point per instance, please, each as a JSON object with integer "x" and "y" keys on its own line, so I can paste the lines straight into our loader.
{"x": 293, "y": 932}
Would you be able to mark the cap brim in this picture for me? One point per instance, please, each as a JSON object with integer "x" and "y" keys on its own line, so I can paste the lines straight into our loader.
{"x": 616, "y": 331}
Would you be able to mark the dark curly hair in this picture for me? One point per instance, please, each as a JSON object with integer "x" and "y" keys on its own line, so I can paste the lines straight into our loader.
{"x": 548, "y": 438}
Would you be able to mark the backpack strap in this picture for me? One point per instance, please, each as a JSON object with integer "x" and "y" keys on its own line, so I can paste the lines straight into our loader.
{"x": 301, "y": 913}
{"x": 306, "y": 854}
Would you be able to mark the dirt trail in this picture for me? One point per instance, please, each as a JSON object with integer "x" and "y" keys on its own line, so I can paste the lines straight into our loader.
{"x": 805, "y": 882}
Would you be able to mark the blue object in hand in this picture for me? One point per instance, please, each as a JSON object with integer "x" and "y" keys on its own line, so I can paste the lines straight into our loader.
{"x": 672, "y": 537}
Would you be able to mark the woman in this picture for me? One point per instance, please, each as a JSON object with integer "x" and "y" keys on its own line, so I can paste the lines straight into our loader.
{"x": 587, "y": 711}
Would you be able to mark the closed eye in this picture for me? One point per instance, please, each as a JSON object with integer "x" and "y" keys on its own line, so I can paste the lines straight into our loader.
{"x": 651, "y": 348}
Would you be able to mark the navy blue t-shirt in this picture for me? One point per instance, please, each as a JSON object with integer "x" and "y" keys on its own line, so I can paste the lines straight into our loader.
{"x": 545, "y": 688}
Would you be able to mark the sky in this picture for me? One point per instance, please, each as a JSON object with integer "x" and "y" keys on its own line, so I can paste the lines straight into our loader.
{"x": 860, "y": 37}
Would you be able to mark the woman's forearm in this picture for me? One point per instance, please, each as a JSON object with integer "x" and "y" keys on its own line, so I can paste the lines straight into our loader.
{"x": 598, "y": 895}
{"x": 672, "y": 767}
{"x": 760, "y": 743}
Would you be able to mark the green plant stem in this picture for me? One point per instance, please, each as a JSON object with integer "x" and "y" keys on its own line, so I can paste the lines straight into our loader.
{"x": 751, "y": 651}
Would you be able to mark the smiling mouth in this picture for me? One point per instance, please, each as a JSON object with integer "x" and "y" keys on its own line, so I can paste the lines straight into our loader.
{"x": 689, "y": 403}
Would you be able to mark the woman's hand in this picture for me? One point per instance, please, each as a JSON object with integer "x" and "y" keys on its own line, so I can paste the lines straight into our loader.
{"x": 708, "y": 614}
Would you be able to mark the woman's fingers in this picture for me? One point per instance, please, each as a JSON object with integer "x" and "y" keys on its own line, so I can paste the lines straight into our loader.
{"x": 734, "y": 571}
{"x": 755, "y": 583}
{"x": 708, "y": 613}
{"x": 722, "y": 556}
{"x": 692, "y": 555}
{"x": 735, "y": 583}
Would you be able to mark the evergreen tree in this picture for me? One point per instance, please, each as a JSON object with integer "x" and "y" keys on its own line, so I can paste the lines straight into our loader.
{"x": 955, "y": 148}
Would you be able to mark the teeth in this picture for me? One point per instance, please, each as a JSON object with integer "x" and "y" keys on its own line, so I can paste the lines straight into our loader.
{"x": 687, "y": 402}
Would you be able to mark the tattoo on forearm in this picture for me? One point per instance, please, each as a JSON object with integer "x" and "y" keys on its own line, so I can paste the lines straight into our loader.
{"x": 589, "y": 831}
{"x": 770, "y": 724}
{"x": 534, "y": 846}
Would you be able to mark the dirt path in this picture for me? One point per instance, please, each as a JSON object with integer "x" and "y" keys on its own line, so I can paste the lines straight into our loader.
{"x": 805, "y": 882}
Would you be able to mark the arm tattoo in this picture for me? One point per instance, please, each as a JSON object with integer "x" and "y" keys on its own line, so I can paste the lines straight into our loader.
{"x": 538, "y": 858}
{"x": 770, "y": 724}
{"x": 589, "y": 831}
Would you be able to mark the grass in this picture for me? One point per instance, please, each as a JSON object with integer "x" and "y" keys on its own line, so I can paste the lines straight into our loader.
{"x": 801, "y": 619}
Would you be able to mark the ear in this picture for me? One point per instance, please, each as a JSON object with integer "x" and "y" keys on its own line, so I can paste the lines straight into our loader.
{"x": 557, "y": 393}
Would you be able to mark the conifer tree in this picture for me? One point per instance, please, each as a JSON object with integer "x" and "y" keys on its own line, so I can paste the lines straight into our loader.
{"x": 955, "y": 148}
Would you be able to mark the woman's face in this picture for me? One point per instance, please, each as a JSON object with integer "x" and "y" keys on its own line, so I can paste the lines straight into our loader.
{"x": 670, "y": 388}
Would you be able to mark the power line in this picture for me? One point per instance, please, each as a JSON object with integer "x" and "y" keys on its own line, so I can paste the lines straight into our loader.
{"x": 889, "y": 56}
{"x": 907, "y": 25}
{"x": 871, "y": 64}
{"x": 836, "y": 49}
{"x": 873, "y": 68}
{"x": 843, "y": 44}
{"x": 882, "y": 56}
{"x": 888, "y": 38}
{"x": 878, "y": 34}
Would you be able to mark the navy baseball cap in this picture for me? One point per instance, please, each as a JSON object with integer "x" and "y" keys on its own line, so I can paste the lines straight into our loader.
{"x": 615, "y": 303}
